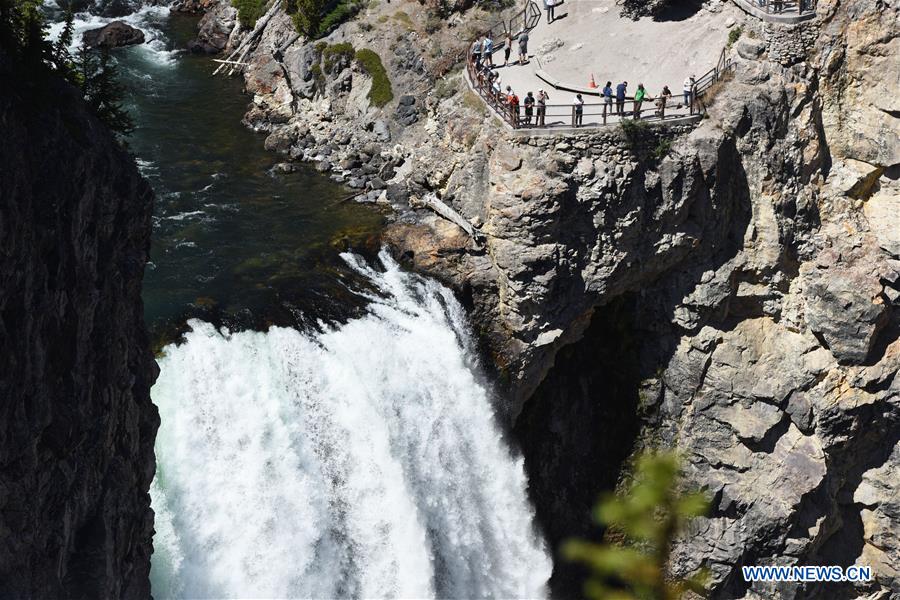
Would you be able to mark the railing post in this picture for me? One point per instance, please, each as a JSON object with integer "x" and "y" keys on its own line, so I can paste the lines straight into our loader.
{"x": 604, "y": 111}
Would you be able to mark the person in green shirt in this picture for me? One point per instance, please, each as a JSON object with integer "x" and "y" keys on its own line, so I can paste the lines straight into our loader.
{"x": 639, "y": 96}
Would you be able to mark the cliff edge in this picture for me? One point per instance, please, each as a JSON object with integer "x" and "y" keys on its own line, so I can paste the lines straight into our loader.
{"x": 78, "y": 427}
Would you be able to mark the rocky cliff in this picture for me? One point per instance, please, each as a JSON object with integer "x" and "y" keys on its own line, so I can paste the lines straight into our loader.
{"x": 730, "y": 289}
{"x": 77, "y": 431}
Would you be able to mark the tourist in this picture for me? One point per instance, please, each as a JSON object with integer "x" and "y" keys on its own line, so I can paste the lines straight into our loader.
{"x": 549, "y": 6}
{"x": 495, "y": 86}
{"x": 523, "y": 47}
{"x": 662, "y": 100}
{"x": 476, "y": 50}
{"x": 487, "y": 49}
{"x": 529, "y": 108}
{"x": 639, "y": 96}
{"x": 608, "y": 96}
{"x": 621, "y": 90}
{"x": 513, "y": 102}
{"x": 577, "y": 110}
{"x": 688, "y": 90}
{"x": 541, "y": 107}
{"x": 507, "y": 48}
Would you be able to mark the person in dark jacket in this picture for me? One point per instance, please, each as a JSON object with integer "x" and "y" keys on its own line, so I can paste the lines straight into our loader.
{"x": 621, "y": 90}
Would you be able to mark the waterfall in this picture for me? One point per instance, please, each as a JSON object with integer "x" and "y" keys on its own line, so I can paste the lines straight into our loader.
{"x": 360, "y": 461}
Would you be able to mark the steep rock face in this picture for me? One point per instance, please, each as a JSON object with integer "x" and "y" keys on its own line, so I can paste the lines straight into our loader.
{"x": 747, "y": 268}
{"x": 77, "y": 431}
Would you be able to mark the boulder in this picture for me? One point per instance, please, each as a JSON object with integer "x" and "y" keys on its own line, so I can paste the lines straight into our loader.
{"x": 113, "y": 35}
{"x": 214, "y": 30}
{"x": 751, "y": 49}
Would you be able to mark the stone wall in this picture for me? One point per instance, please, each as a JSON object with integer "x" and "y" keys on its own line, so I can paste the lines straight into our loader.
{"x": 790, "y": 44}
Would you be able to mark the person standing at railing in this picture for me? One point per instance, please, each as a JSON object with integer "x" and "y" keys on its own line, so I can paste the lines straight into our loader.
{"x": 529, "y": 108}
{"x": 487, "y": 49}
{"x": 507, "y": 48}
{"x": 607, "y": 94}
{"x": 549, "y": 6}
{"x": 523, "y": 47}
{"x": 688, "y": 88}
{"x": 662, "y": 100}
{"x": 639, "y": 96}
{"x": 621, "y": 90}
{"x": 542, "y": 107}
{"x": 513, "y": 102}
{"x": 577, "y": 110}
{"x": 476, "y": 50}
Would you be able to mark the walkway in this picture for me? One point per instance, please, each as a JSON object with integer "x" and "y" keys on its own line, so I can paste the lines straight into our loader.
{"x": 595, "y": 39}
{"x": 589, "y": 37}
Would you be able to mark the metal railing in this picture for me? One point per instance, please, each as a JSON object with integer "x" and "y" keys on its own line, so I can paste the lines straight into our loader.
{"x": 784, "y": 7}
{"x": 591, "y": 115}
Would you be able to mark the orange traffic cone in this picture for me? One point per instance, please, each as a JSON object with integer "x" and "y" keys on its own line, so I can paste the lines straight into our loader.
{"x": 592, "y": 83}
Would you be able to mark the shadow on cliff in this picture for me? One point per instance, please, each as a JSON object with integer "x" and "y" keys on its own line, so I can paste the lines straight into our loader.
{"x": 579, "y": 428}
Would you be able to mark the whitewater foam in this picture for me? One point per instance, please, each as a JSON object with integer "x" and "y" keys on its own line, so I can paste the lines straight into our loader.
{"x": 363, "y": 461}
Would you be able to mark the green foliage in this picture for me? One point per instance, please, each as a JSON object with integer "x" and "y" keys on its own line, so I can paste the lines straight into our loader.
{"x": 381, "y": 92}
{"x": 22, "y": 32}
{"x": 23, "y": 38}
{"x": 318, "y": 18}
{"x": 337, "y": 53}
{"x": 647, "y": 518}
{"x": 102, "y": 90}
{"x": 249, "y": 11}
{"x": 734, "y": 35}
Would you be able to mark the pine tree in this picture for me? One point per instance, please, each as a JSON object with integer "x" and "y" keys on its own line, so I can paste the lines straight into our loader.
{"x": 62, "y": 56}
{"x": 307, "y": 15}
{"x": 102, "y": 90}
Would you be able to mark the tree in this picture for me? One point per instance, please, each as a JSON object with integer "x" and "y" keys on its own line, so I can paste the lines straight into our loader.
{"x": 102, "y": 90}
{"x": 307, "y": 15}
{"x": 62, "y": 56}
{"x": 647, "y": 518}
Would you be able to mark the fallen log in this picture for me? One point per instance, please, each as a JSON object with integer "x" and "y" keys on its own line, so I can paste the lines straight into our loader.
{"x": 430, "y": 200}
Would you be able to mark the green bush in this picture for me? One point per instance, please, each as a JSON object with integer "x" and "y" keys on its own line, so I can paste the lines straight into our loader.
{"x": 647, "y": 519}
{"x": 381, "y": 92}
{"x": 318, "y": 18}
{"x": 734, "y": 35}
{"x": 249, "y": 11}
{"x": 334, "y": 54}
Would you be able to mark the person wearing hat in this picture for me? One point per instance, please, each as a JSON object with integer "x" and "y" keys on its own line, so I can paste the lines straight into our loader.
{"x": 542, "y": 98}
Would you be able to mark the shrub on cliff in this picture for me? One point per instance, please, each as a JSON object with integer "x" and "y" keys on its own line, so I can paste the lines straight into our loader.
{"x": 381, "y": 92}
{"x": 249, "y": 11}
{"x": 318, "y": 18}
{"x": 647, "y": 518}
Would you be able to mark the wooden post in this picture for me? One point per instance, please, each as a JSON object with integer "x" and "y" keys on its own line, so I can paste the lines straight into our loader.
{"x": 604, "y": 111}
{"x": 573, "y": 116}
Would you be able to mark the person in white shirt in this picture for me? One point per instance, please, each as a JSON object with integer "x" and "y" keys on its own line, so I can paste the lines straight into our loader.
{"x": 688, "y": 90}
{"x": 577, "y": 110}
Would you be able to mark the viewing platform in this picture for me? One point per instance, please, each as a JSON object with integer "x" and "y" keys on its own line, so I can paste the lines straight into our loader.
{"x": 588, "y": 44}
{"x": 780, "y": 11}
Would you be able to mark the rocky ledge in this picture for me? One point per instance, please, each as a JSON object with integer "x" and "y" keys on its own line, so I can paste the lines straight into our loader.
{"x": 730, "y": 289}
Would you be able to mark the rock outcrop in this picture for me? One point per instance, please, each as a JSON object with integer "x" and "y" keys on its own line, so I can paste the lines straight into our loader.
{"x": 78, "y": 427}
{"x": 113, "y": 35}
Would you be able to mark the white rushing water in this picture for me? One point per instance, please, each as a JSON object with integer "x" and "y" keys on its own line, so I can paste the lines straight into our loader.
{"x": 363, "y": 462}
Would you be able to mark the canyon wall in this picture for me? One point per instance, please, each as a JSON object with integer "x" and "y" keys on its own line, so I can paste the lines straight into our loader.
{"x": 77, "y": 427}
{"x": 729, "y": 288}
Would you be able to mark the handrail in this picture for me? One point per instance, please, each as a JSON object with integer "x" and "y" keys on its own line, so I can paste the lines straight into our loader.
{"x": 784, "y": 7}
{"x": 516, "y": 118}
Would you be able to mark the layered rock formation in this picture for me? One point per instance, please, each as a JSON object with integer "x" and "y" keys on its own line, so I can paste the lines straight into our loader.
{"x": 78, "y": 427}
{"x": 730, "y": 289}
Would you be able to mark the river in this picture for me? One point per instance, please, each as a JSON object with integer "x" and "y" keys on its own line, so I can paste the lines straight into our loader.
{"x": 327, "y": 431}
